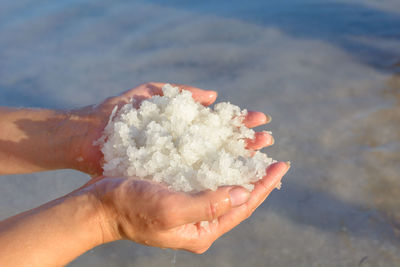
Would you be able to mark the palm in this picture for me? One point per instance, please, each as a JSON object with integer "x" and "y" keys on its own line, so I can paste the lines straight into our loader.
{"x": 151, "y": 214}
{"x": 198, "y": 236}
{"x": 98, "y": 117}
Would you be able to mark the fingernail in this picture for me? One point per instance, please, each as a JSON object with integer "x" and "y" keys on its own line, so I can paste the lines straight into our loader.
{"x": 212, "y": 94}
{"x": 238, "y": 196}
{"x": 272, "y": 140}
{"x": 268, "y": 118}
{"x": 288, "y": 163}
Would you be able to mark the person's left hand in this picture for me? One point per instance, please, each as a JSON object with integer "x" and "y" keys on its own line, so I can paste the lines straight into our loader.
{"x": 88, "y": 157}
{"x": 150, "y": 214}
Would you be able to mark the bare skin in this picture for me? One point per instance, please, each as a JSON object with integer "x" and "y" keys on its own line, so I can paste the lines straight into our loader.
{"x": 34, "y": 140}
{"x": 110, "y": 209}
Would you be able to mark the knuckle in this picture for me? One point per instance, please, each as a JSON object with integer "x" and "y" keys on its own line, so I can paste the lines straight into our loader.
{"x": 110, "y": 100}
{"x": 148, "y": 84}
{"x": 249, "y": 213}
{"x": 162, "y": 221}
{"x": 212, "y": 210}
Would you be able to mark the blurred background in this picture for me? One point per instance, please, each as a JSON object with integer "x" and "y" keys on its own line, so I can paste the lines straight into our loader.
{"x": 325, "y": 70}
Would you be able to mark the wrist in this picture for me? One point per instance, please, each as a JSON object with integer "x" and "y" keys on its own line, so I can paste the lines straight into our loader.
{"x": 101, "y": 196}
{"x": 86, "y": 217}
{"x": 83, "y": 128}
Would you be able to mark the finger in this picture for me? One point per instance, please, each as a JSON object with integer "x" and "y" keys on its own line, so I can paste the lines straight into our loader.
{"x": 261, "y": 139}
{"x": 256, "y": 118}
{"x": 140, "y": 93}
{"x": 264, "y": 187}
{"x": 144, "y": 91}
{"x": 261, "y": 191}
{"x": 204, "y": 97}
{"x": 209, "y": 205}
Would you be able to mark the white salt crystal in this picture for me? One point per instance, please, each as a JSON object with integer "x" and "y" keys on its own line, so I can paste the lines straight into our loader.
{"x": 174, "y": 140}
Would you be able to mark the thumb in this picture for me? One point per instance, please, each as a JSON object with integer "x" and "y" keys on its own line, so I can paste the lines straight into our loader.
{"x": 209, "y": 205}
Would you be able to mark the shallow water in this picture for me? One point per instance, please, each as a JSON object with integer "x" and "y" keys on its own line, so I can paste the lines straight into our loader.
{"x": 326, "y": 71}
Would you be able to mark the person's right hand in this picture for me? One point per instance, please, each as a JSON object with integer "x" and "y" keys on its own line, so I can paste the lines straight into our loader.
{"x": 149, "y": 213}
{"x": 93, "y": 119}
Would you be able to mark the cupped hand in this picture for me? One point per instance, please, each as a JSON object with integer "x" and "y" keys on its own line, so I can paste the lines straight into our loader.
{"x": 88, "y": 157}
{"x": 151, "y": 214}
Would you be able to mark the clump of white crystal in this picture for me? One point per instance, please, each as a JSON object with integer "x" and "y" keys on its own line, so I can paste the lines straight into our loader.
{"x": 174, "y": 140}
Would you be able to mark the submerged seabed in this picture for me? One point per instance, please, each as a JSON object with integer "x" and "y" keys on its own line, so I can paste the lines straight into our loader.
{"x": 324, "y": 70}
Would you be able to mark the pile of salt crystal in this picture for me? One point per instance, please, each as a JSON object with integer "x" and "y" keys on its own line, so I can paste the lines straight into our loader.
{"x": 174, "y": 140}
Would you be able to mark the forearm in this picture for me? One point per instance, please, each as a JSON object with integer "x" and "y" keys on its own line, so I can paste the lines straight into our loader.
{"x": 53, "y": 234}
{"x": 38, "y": 139}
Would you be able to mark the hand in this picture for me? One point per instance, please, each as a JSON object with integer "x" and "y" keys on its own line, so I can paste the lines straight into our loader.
{"x": 151, "y": 214}
{"x": 88, "y": 158}
{"x": 108, "y": 209}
